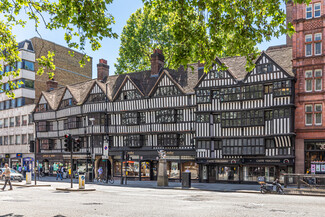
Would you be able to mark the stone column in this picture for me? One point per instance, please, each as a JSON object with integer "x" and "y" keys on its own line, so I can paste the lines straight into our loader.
{"x": 162, "y": 179}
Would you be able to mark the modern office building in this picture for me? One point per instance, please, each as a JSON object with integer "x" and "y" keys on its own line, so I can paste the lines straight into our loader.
{"x": 16, "y": 124}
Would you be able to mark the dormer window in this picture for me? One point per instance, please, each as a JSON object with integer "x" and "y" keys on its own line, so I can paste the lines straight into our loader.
{"x": 67, "y": 103}
{"x": 41, "y": 107}
{"x": 130, "y": 95}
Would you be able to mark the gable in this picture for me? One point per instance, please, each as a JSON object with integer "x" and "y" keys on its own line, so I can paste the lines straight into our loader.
{"x": 128, "y": 86}
{"x": 96, "y": 89}
{"x": 96, "y": 94}
{"x": 216, "y": 78}
{"x": 67, "y": 95}
{"x": 42, "y": 100}
{"x": 166, "y": 87}
{"x": 128, "y": 91}
{"x": 265, "y": 70}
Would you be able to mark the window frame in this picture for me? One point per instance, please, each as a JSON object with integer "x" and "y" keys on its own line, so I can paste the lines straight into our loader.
{"x": 316, "y": 78}
{"x": 320, "y": 9}
{"x": 309, "y": 113}
{"x": 317, "y": 113}
{"x": 310, "y": 6}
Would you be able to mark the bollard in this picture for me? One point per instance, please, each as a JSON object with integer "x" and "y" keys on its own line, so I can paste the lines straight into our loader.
{"x": 28, "y": 178}
{"x": 82, "y": 180}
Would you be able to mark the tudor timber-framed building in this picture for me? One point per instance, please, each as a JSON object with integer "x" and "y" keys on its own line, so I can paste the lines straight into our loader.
{"x": 201, "y": 120}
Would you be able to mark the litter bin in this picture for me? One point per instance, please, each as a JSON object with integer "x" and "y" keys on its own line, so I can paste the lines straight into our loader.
{"x": 186, "y": 180}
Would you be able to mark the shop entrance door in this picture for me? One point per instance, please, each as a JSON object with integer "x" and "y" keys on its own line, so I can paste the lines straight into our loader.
{"x": 212, "y": 173}
{"x": 153, "y": 170}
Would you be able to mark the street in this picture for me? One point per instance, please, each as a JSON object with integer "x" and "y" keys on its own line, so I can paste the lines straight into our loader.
{"x": 132, "y": 201}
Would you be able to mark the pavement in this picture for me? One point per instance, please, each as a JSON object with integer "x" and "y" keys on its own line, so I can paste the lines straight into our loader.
{"x": 112, "y": 200}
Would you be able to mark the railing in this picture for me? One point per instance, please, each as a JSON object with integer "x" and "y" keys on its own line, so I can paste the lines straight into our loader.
{"x": 311, "y": 181}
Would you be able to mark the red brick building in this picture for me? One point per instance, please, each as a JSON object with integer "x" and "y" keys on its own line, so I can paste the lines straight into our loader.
{"x": 309, "y": 66}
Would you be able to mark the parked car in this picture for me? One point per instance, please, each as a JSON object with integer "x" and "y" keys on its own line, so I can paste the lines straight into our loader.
{"x": 14, "y": 175}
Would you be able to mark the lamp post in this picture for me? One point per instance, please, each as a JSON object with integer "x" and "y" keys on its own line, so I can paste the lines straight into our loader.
{"x": 92, "y": 148}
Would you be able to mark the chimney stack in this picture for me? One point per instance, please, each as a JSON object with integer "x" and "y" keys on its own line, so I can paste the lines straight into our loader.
{"x": 289, "y": 19}
{"x": 51, "y": 84}
{"x": 102, "y": 70}
{"x": 157, "y": 62}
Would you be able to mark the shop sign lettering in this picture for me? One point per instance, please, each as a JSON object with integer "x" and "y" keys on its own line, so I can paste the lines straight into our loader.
{"x": 48, "y": 155}
{"x": 170, "y": 153}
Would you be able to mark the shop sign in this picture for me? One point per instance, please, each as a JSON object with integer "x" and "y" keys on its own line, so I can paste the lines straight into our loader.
{"x": 321, "y": 145}
{"x": 313, "y": 167}
{"x": 104, "y": 157}
{"x": 170, "y": 153}
{"x": 268, "y": 161}
{"x": 28, "y": 159}
{"x": 19, "y": 155}
{"x": 130, "y": 152}
{"x": 7, "y": 155}
{"x": 105, "y": 148}
{"x": 48, "y": 156}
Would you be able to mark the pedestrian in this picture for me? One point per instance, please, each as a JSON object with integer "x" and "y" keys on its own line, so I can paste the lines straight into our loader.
{"x": 58, "y": 174}
{"x": 62, "y": 172}
{"x": 100, "y": 173}
{"x": 24, "y": 171}
{"x": 19, "y": 169}
{"x": 7, "y": 177}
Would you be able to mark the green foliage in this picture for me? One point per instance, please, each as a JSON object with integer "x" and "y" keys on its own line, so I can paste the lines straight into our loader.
{"x": 227, "y": 27}
{"x": 144, "y": 32}
{"x": 85, "y": 21}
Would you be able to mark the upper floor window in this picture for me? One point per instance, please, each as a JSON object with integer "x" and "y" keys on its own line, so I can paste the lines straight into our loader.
{"x": 130, "y": 95}
{"x": 165, "y": 116}
{"x": 170, "y": 139}
{"x": 308, "y": 45}
{"x": 135, "y": 140}
{"x": 41, "y": 107}
{"x": 41, "y": 126}
{"x": 74, "y": 122}
{"x": 99, "y": 119}
{"x": 264, "y": 68}
{"x": 317, "y": 9}
{"x": 98, "y": 97}
{"x": 130, "y": 118}
{"x": 217, "y": 74}
{"x": 309, "y": 11}
{"x": 203, "y": 96}
{"x": 24, "y": 120}
{"x": 313, "y": 80}
{"x": 203, "y": 118}
{"x": 167, "y": 91}
{"x": 17, "y": 121}
{"x": 282, "y": 88}
{"x": 67, "y": 103}
{"x": 318, "y": 114}
{"x": 318, "y": 43}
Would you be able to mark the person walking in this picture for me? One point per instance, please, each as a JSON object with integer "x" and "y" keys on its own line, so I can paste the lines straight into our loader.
{"x": 7, "y": 177}
{"x": 58, "y": 174}
{"x": 100, "y": 173}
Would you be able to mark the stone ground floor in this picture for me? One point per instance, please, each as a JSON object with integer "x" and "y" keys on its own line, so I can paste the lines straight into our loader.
{"x": 128, "y": 201}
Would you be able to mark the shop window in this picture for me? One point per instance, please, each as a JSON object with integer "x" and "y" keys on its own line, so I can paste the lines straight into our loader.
{"x": 130, "y": 95}
{"x": 17, "y": 121}
{"x": 117, "y": 168}
{"x": 308, "y": 115}
{"x": 318, "y": 114}
{"x": 308, "y": 45}
{"x": 317, "y": 10}
{"x": 227, "y": 173}
{"x": 173, "y": 170}
{"x": 309, "y": 11}
{"x": 203, "y": 118}
{"x": 1, "y": 140}
{"x": 167, "y": 91}
{"x": 203, "y": 96}
{"x": 318, "y": 79}
{"x": 191, "y": 167}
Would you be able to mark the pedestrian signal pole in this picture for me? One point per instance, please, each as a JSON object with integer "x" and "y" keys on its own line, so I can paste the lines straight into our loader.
{"x": 68, "y": 147}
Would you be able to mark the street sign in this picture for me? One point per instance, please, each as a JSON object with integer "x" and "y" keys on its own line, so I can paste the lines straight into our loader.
{"x": 104, "y": 157}
{"x": 105, "y": 148}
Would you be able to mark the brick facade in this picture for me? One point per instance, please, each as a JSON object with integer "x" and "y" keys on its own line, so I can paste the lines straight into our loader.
{"x": 296, "y": 13}
{"x": 68, "y": 70}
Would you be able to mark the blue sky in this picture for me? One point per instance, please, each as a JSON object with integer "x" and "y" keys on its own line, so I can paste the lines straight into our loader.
{"x": 121, "y": 10}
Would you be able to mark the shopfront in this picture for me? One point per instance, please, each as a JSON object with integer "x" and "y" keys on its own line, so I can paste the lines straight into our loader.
{"x": 50, "y": 162}
{"x": 314, "y": 155}
{"x": 144, "y": 165}
{"x": 244, "y": 170}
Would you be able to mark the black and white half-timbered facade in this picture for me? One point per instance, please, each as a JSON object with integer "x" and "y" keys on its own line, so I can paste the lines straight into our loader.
{"x": 244, "y": 120}
{"x": 228, "y": 125}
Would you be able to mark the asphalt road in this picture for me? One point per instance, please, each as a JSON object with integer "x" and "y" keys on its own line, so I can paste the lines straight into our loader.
{"x": 128, "y": 201}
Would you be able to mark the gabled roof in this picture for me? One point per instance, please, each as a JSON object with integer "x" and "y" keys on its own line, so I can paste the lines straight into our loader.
{"x": 81, "y": 91}
{"x": 54, "y": 97}
{"x": 135, "y": 83}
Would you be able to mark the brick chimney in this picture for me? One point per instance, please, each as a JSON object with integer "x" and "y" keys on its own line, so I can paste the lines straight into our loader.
{"x": 157, "y": 62}
{"x": 51, "y": 84}
{"x": 289, "y": 19}
{"x": 102, "y": 70}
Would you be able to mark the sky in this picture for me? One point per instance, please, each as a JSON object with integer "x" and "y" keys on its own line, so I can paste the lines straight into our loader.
{"x": 121, "y": 10}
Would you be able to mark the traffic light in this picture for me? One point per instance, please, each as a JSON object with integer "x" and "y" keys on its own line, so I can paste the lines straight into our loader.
{"x": 67, "y": 142}
{"x": 76, "y": 145}
{"x": 31, "y": 146}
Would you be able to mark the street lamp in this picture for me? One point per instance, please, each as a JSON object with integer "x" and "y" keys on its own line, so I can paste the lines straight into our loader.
{"x": 92, "y": 148}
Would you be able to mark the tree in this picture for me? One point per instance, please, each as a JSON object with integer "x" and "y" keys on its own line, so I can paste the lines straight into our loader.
{"x": 227, "y": 27}
{"x": 83, "y": 20}
{"x": 144, "y": 32}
